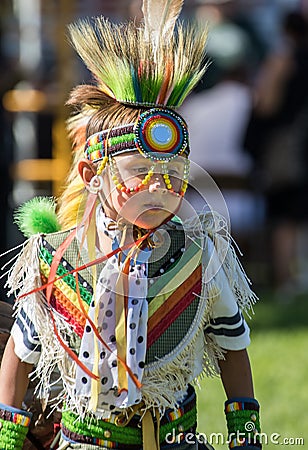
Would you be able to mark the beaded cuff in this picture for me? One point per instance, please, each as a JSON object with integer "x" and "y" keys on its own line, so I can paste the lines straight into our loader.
{"x": 243, "y": 423}
{"x": 14, "y": 424}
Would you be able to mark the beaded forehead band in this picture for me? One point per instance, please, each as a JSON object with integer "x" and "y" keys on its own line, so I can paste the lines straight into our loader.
{"x": 158, "y": 134}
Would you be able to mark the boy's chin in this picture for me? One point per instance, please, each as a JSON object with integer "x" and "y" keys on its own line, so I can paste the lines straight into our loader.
{"x": 151, "y": 221}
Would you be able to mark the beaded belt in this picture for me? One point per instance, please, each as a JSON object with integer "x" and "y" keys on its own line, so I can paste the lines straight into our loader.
{"x": 108, "y": 433}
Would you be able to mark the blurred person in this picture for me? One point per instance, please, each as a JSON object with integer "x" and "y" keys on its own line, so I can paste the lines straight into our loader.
{"x": 218, "y": 118}
{"x": 277, "y": 138}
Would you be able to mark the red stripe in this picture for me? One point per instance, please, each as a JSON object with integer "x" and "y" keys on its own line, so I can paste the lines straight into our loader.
{"x": 171, "y": 302}
{"x": 172, "y": 315}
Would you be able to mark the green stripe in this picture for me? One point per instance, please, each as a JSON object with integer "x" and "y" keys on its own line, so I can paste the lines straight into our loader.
{"x": 187, "y": 421}
{"x": 95, "y": 428}
{"x": 129, "y": 137}
{"x": 123, "y": 435}
{"x": 164, "y": 279}
{"x": 69, "y": 279}
{"x": 93, "y": 148}
{"x": 12, "y": 435}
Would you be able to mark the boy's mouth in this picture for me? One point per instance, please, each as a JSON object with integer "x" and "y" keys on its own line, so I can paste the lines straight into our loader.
{"x": 154, "y": 206}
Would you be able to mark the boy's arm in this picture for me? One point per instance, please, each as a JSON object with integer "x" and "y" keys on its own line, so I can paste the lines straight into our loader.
{"x": 241, "y": 409}
{"x": 14, "y": 422}
{"x": 236, "y": 374}
{"x": 13, "y": 377}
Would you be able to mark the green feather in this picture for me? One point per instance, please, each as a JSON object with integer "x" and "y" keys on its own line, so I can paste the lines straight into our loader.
{"x": 37, "y": 216}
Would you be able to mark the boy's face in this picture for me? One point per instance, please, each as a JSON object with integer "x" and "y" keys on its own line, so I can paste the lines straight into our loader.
{"x": 153, "y": 203}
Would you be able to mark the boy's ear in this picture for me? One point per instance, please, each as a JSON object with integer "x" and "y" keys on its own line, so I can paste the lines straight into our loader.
{"x": 86, "y": 171}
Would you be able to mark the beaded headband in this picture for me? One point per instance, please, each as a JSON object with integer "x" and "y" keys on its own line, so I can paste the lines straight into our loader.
{"x": 158, "y": 134}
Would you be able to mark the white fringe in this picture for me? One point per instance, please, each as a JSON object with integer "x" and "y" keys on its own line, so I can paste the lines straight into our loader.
{"x": 214, "y": 226}
{"x": 24, "y": 275}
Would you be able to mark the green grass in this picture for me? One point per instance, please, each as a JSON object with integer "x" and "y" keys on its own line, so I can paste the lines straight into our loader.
{"x": 280, "y": 368}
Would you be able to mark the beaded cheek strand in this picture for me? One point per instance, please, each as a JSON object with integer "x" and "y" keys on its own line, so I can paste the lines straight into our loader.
{"x": 120, "y": 186}
{"x": 166, "y": 177}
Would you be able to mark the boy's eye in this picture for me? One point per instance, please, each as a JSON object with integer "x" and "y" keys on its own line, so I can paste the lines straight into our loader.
{"x": 141, "y": 170}
{"x": 175, "y": 173}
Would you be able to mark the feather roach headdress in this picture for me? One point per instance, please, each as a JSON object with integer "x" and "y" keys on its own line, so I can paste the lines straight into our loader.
{"x": 156, "y": 64}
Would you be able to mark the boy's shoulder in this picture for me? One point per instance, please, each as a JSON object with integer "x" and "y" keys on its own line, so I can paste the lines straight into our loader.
{"x": 56, "y": 238}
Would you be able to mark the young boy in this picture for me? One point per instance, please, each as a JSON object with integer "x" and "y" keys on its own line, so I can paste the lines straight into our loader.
{"x": 132, "y": 300}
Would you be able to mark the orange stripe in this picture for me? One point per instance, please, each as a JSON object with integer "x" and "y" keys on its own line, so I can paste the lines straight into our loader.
{"x": 174, "y": 298}
{"x": 67, "y": 304}
{"x": 173, "y": 314}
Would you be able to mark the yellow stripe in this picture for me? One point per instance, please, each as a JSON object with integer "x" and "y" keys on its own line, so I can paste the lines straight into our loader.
{"x": 120, "y": 331}
{"x": 91, "y": 236}
{"x": 63, "y": 287}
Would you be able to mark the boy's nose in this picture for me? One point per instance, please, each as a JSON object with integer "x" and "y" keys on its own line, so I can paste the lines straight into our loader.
{"x": 156, "y": 183}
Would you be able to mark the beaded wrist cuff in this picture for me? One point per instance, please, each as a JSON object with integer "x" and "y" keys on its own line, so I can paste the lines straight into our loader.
{"x": 243, "y": 423}
{"x": 14, "y": 424}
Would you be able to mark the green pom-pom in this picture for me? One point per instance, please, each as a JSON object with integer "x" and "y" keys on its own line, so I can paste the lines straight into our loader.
{"x": 37, "y": 216}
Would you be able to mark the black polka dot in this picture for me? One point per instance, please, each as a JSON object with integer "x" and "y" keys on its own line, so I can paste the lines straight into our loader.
{"x": 135, "y": 301}
{"x": 111, "y": 407}
{"x": 101, "y": 305}
{"x": 93, "y": 304}
{"x": 137, "y": 281}
{"x": 141, "y": 364}
{"x": 110, "y": 301}
{"x": 140, "y": 339}
{"x": 132, "y": 326}
{"x": 102, "y": 354}
{"x": 88, "y": 329}
{"x": 86, "y": 354}
{"x": 105, "y": 326}
{"x": 114, "y": 363}
{"x": 112, "y": 338}
{"x": 131, "y": 269}
{"x": 108, "y": 313}
{"x": 138, "y": 267}
{"x": 132, "y": 351}
{"x": 106, "y": 232}
{"x": 104, "y": 380}
{"x": 84, "y": 380}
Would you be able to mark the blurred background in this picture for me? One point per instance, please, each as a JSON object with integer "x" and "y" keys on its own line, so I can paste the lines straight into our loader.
{"x": 248, "y": 122}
